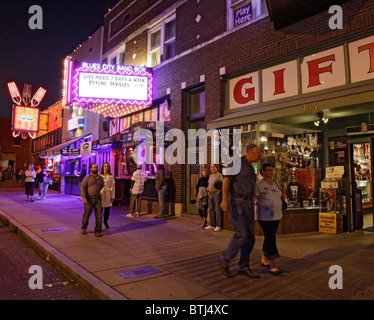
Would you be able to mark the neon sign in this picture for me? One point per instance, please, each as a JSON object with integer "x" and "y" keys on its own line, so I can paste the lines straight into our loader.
{"x": 26, "y": 119}
{"x": 75, "y": 123}
{"x": 112, "y": 90}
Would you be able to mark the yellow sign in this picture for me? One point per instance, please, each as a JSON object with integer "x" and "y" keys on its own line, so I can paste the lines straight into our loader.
{"x": 330, "y": 223}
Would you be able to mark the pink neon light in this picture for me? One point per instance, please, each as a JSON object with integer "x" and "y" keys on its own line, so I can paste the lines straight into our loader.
{"x": 38, "y": 97}
{"x": 14, "y": 93}
{"x": 70, "y": 70}
{"x": 77, "y": 98}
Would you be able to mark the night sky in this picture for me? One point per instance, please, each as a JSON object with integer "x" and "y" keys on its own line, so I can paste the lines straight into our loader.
{"x": 36, "y": 56}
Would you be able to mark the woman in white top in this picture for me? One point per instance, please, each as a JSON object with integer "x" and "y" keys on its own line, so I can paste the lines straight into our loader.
{"x": 108, "y": 193}
{"x": 30, "y": 182}
{"x": 268, "y": 212}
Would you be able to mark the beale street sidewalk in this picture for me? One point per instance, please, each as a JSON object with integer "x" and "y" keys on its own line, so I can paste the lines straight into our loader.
{"x": 172, "y": 259}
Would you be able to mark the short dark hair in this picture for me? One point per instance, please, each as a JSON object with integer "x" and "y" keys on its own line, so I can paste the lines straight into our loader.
{"x": 92, "y": 165}
{"x": 264, "y": 166}
{"x": 251, "y": 146}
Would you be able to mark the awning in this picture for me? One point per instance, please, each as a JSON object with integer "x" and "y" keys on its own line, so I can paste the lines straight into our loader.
{"x": 266, "y": 112}
{"x": 286, "y": 12}
{"x": 56, "y": 150}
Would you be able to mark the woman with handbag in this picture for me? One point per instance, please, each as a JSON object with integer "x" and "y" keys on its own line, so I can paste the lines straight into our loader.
{"x": 268, "y": 212}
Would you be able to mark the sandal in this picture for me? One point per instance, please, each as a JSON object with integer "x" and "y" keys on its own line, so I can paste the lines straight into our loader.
{"x": 274, "y": 271}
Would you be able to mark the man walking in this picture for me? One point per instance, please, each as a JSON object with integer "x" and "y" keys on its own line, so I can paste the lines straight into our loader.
{"x": 238, "y": 194}
{"x": 90, "y": 191}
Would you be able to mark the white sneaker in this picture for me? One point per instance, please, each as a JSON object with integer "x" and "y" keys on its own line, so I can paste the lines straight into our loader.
{"x": 44, "y": 198}
{"x": 209, "y": 228}
{"x": 217, "y": 229}
{"x": 130, "y": 215}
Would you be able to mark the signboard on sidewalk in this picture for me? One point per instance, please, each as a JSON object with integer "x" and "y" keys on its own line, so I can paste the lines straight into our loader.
{"x": 330, "y": 223}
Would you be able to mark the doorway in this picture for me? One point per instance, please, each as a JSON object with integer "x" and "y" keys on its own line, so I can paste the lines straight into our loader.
{"x": 362, "y": 166}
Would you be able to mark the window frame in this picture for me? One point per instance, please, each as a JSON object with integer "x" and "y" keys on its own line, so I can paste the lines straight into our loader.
{"x": 160, "y": 26}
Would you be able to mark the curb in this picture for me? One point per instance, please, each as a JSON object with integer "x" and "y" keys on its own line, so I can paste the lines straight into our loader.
{"x": 92, "y": 286}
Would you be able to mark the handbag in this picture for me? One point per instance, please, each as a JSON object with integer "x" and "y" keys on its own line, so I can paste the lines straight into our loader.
{"x": 284, "y": 203}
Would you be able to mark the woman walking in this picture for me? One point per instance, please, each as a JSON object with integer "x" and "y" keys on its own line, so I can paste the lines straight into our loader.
{"x": 30, "y": 182}
{"x": 268, "y": 212}
{"x": 108, "y": 193}
{"x": 44, "y": 181}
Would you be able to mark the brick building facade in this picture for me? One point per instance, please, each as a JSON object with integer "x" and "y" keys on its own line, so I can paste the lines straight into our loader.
{"x": 207, "y": 53}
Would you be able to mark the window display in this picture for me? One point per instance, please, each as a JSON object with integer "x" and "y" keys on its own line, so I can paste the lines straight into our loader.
{"x": 362, "y": 171}
{"x": 296, "y": 158}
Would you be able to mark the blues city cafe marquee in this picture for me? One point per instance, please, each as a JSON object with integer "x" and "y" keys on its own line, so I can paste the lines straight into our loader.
{"x": 319, "y": 71}
{"x": 112, "y": 90}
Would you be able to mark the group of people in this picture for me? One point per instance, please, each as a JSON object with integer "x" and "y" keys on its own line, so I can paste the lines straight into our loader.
{"x": 98, "y": 194}
{"x": 208, "y": 198}
{"x": 7, "y": 173}
{"x": 40, "y": 177}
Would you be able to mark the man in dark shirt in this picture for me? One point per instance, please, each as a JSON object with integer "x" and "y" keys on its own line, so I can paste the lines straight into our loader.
{"x": 238, "y": 194}
{"x": 91, "y": 193}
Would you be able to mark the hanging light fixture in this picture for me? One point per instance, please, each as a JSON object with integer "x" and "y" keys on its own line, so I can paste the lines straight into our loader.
{"x": 321, "y": 119}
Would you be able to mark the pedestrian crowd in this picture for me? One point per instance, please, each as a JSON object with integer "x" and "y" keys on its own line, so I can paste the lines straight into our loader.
{"x": 241, "y": 195}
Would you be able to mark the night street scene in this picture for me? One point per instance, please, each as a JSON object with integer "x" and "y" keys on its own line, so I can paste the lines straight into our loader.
{"x": 186, "y": 158}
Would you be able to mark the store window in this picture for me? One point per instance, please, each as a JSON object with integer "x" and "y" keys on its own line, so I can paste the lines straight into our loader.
{"x": 296, "y": 156}
{"x": 363, "y": 172}
{"x": 162, "y": 41}
{"x": 241, "y": 12}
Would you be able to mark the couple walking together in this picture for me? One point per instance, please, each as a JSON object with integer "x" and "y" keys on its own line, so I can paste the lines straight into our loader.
{"x": 239, "y": 194}
{"x": 98, "y": 192}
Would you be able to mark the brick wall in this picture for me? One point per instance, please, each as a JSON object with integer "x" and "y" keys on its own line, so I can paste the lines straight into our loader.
{"x": 252, "y": 47}
{"x": 23, "y": 152}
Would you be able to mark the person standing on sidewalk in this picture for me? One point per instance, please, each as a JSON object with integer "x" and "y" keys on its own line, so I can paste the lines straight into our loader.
{"x": 108, "y": 193}
{"x": 161, "y": 186}
{"x": 268, "y": 212}
{"x": 90, "y": 191}
{"x": 137, "y": 187}
{"x": 214, "y": 200}
{"x": 81, "y": 176}
{"x": 202, "y": 196}
{"x": 237, "y": 198}
{"x": 30, "y": 182}
{"x": 10, "y": 173}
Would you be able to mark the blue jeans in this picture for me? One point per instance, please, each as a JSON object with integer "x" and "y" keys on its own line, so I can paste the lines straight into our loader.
{"x": 242, "y": 220}
{"x": 161, "y": 201}
{"x": 214, "y": 209}
{"x": 93, "y": 203}
{"x": 43, "y": 188}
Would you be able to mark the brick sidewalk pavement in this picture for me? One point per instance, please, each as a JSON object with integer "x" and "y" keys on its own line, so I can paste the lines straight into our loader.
{"x": 16, "y": 257}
